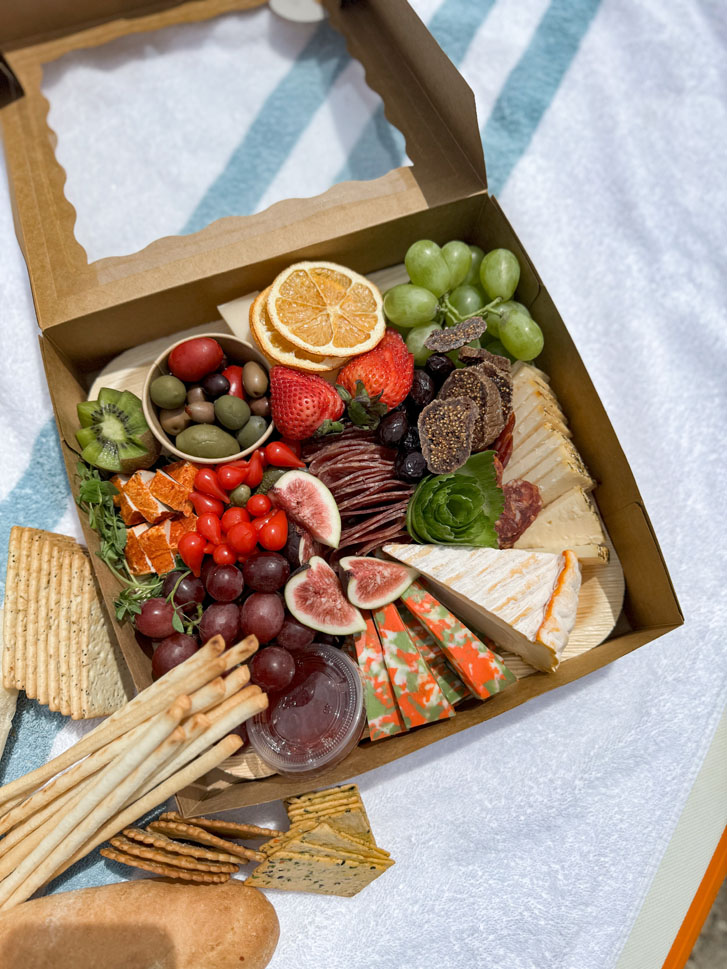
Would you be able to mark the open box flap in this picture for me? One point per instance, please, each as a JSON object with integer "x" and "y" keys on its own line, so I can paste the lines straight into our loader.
{"x": 424, "y": 97}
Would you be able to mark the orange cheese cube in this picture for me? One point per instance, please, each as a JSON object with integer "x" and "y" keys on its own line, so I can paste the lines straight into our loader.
{"x": 136, "y": 557}
{"x": 137, "y": 490}
{"x": 170, "y": 492}
{"x": 155, "y": 542}
{"x": 179, "y": 527}
{"x": 129, "y": 512}
{"x": 183, "y": 472}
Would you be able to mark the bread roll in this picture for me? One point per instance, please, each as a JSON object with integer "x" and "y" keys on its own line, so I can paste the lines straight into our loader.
{"x": 144, "y": 924}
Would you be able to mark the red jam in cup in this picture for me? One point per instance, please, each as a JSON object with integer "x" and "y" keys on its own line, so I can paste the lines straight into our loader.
{"x": 317, "y": 720}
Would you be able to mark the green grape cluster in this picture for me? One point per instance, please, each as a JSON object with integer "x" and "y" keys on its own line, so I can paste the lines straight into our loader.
{"x": 457, "y": 281}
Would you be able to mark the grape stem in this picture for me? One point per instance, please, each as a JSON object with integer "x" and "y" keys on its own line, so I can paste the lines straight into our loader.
{"x": 446, "y": 310}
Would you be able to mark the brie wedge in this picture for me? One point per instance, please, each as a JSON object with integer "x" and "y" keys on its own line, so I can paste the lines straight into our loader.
{"x": 570, "y": 521}
{"x": 525, "y": 601}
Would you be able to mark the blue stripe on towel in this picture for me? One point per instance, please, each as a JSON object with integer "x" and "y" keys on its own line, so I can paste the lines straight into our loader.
{"x": 40, "y": 497}
{"x": 532, "y": 85}
{"x": 281, "y": 120}
{"x": 380, "y": 146}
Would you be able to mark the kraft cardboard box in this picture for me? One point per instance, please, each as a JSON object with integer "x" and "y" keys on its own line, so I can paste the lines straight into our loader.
{"x": 89, "y": 313}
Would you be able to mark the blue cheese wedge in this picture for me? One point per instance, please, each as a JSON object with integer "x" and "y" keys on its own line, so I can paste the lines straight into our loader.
{"x": 571, "y": 521}
{"x": 525, "y": 601}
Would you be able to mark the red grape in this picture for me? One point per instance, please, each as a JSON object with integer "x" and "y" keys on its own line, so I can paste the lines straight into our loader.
{"x": 220, "y": 619}
{"x": 266, "y": 572}
{"x": 145, "y": 644}
{"x": 189, "y": 591}
{"x": 262, "y": 616}
{"x": 272, "y": 668}
{"x": 155, "y": 619}
{"x": 294, "y": 635}
{"x": 171, "y": 652}
{"x": 224, "y": 582}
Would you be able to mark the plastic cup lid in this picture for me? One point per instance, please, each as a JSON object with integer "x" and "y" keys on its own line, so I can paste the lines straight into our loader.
{"x": 318, "y": 719}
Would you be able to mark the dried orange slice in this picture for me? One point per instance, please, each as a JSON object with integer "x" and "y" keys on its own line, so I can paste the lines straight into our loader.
{"x": 326, "y": 309}
{"x": 280, "y": 350}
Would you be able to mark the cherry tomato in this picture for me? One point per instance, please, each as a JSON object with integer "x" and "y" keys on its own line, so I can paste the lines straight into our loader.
{"x": 206, "y": 481}
{"x": 258, "y": 523}
{"x": 255, "y": 470}
{"x": 234, "y": 376}
{"x": 191, "y": 549}
{"x": 204, "y": 505}
{"x": 224, "y": 555}
{"x": 194, "y": 359}
{"x": 229, "y": 477}
{"x": 258, "y": 505}
{"x": 281, "y": 456}
{"x": 242, "y": 537}
{"x": 209, "y": 527}
{"x": 274, "y": 533}
{"x": 233, "y": 516}
{"x": 209, "y": 548}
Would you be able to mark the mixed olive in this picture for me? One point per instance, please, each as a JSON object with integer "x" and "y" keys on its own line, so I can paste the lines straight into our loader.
{"x": 209, "y": 407}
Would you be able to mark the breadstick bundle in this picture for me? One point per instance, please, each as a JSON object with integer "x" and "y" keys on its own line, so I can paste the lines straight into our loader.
{"x": 170, "y": 734}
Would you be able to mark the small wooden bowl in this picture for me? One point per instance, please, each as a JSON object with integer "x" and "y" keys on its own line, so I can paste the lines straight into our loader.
{"x": 237, "y": 352}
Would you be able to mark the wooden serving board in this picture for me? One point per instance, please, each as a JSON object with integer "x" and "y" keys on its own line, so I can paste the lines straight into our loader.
{"x": 602, "y": 589}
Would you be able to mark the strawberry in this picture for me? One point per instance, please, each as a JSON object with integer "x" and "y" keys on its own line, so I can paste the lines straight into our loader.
{"x": 386, "y": 372}
{"x": 301, "y": 402}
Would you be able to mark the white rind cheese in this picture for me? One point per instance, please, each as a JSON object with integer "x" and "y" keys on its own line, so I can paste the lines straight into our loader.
{"x": 571, "y": 521}
{"x": 525, "y": 601}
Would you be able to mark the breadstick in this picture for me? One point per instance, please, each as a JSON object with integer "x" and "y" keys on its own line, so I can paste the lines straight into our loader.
{"x": 185, "y": 678}
{"x": 240, "y": 652}
{"x": 70, "y": 778}
{"x": 209, "y": 694}
{"x": 23, "y": 839}
{"x": 100, "y": 814}
{"x": 109, "y": 785}
{"x": 157, "y": 795}
{"x": 238, "y": 709}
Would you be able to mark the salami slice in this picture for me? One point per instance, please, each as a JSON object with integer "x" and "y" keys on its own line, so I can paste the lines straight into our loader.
{"x": 522, "y": 506}
{"x": 503, "y": 445}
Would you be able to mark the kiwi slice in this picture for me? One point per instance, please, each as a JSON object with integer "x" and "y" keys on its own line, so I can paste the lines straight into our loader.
{"x": 114, "y": 434}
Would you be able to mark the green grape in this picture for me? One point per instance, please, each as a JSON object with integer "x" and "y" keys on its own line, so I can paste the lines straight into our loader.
{"x": 494, "y": 317}
{"x": 466, "y": 300}
{"x": 473, "y": 276}
{"x": 500, "y": 273}
{"x": 494, "y": 346}
{"x": 427, "y": 267}
{"x": 408, "y": 305}
{"x": 415, "y": 342}
{"x": 521, "y": 335}
{"x": 458, "y": 257}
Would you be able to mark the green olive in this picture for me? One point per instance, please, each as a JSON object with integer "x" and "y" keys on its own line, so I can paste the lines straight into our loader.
{"x": 240, "y": 495}
{"x": 254, "y": 379}
{"x": 251, "y": 432}
{"x": 232, "y": 412}
{"x": 168, "y": 392}
{"x": 207, "y": 441}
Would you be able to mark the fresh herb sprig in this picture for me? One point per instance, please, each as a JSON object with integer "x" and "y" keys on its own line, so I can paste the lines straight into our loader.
{"x": 96, "y": 498}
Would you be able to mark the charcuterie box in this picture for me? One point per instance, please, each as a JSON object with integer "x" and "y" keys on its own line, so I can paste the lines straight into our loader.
{"x": 89, "y": 314}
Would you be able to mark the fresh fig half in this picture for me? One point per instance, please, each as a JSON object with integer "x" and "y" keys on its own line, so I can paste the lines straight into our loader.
{"x": 314, "y": 596}
{"x": 308, "y": 502}
{"x": 372, "y": 583}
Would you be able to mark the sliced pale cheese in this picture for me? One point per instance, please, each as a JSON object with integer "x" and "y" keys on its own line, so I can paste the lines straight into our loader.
{"x": 571, "y": 521}
{"x": 527, "y": 425}
{"x": 522, "y": 370}
{"x": 547, "y": 439}
{"x": 559, "y": 471}
{"x": 525, "y": 601}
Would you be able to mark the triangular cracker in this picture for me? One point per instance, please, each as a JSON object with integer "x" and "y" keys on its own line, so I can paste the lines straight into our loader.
{"x": 318, "y": 874}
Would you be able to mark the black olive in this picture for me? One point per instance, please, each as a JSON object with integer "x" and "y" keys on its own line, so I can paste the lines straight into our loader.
{"x": 392, "y": 428}
{"x": 422, "y": 390}
{"x": 410, "y": 467}
{"x": 215, "y": 385}
{"x": 410, "y": 441}
{"x": 439, "y": 366}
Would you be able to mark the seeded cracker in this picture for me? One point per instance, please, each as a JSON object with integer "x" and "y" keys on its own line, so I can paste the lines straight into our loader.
{"x": 486, "y": 398}
{"x": 445, "y": 430}
{"x": 454, "y": 337}
{"x": 321, "y": 875}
